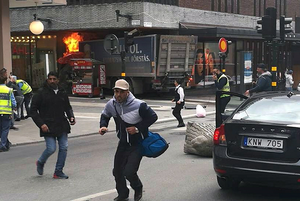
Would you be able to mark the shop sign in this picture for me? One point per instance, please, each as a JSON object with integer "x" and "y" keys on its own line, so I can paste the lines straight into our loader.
{"x": 82, "y": 88}
{"x": 223, "y": 45}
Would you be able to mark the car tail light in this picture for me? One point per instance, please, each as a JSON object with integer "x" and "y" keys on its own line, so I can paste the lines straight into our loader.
{"x": 219, "y": 136}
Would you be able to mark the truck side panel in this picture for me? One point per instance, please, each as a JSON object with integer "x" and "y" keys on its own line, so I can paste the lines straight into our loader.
{"x": 139, "y": 61}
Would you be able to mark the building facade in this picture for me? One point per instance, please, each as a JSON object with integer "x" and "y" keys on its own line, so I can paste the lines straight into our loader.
{"x": 236, "y": 20}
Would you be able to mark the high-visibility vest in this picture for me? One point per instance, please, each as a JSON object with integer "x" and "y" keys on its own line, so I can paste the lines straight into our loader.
{"x": 5, "y": 100}
{"x": 226, "y": 87}
{"x": 26, "y": 88}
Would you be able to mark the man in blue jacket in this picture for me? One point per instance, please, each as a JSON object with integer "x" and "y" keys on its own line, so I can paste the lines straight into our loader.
{"x": 132, "y": 117}
{"x": 264, "y": 82}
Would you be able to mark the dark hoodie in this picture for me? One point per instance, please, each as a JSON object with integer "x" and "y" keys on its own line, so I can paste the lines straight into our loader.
{"x": 48, "y": 107}
{"x": 264, "y": 83}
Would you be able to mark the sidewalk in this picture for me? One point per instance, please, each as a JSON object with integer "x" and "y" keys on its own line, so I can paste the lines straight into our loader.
{"x": 88, "y": 124}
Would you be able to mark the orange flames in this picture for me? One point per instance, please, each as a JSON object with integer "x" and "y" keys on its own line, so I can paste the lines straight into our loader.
{"x": 72, "y": 43}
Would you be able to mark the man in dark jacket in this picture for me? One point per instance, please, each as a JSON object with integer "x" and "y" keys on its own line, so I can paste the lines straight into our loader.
{"x": 48, "y": 108}
{"x": 132, "y": 117}
{"x": 179, "y": 102}
{"x": 264, "y": 82}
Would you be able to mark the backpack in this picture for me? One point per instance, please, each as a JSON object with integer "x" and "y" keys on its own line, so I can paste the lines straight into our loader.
{"x": 154, "y": 145}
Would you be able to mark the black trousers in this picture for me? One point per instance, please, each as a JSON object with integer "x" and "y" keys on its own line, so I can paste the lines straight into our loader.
{"x": 177, "y": 112}
{"x": 223, "y": 102}
{"x": 27, "y": 99}
{"x": 126, "y": 165}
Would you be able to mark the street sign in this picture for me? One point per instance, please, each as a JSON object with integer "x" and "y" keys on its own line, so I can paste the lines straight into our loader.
{"x": 223, "y": 45}
{"x": 111, "y": 44}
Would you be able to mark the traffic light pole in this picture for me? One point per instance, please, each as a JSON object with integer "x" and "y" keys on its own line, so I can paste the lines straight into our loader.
{"x": 123, "y": 54}
{"x": 274, "y": 64}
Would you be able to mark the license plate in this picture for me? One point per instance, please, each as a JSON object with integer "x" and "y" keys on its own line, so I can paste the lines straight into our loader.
{"x": 263, "y": 143}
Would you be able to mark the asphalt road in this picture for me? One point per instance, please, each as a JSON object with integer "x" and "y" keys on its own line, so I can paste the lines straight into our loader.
{"x": 174, "y": 176}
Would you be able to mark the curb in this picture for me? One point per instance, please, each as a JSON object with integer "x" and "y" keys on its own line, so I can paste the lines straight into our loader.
{"x": 96, "y": 133}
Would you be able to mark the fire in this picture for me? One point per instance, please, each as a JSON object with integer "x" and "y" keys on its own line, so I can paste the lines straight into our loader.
{"x": 72, "y": 43}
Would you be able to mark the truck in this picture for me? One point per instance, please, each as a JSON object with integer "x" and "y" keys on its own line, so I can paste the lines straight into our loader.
{"x": 153, "y": 62}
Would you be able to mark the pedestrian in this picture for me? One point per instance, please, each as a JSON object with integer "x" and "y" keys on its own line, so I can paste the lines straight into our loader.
{"x": 179, "y": 102}
{"x": 48, "y": 108}
{"x": 27, "y": 92}
{"x": 264, "y": 82}
{"x": 289, "y": 80}
{"x": 132, "y": 118}
{"x": 17, "y": 93}
{"x": 7, "y": 104}
{"x": 222, "y": 84}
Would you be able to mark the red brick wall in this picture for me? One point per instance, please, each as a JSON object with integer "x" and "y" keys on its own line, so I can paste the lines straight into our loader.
{"x": 246, "y": 6}
{"x": 196, "y": 4}
{"x": 293, "y": 8}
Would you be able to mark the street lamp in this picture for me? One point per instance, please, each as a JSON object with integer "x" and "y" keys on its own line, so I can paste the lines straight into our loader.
{"x": 36, "y": 27}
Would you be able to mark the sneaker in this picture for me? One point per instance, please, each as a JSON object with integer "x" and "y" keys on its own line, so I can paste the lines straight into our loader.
{"x": 60, "y": 175}
{"x": 18, "y": 119}
{"x": 8, "y": 144}
{"x": 120, "y": 198}
{"x": 3, "y": 149}
{"x": 22, "y": 118}
{"x": 14, "y": 128}
{"x": 39, "y": 167}
{"x": 181, "y": 125}
{"x": 26, "y": 117}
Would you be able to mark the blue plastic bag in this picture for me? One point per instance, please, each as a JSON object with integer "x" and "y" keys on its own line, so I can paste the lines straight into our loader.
{"x": 154, "y": 145}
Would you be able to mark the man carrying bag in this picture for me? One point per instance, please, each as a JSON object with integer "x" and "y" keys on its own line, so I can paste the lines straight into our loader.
{"x": 133, "y": 117}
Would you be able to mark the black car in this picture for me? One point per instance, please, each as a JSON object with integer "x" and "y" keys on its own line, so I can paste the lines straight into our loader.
{"x": 257, "y": 140}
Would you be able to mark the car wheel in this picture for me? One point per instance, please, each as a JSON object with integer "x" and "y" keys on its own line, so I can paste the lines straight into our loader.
{"x": 227, "y": 183}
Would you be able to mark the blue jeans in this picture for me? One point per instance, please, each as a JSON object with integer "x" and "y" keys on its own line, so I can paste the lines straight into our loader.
{"x": 5, "y": 123}
{"x": 51, "y": 147}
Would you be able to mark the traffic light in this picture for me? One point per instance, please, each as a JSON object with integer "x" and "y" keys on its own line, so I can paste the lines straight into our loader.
{"x": 268, "y": 24}
{"x": 128, "y": 40}
{"x": 285, "y": 26}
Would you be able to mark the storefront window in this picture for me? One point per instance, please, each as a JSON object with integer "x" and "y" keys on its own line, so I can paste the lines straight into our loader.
{"x": 208, "y": 58}
{"x": 33, "y": 57}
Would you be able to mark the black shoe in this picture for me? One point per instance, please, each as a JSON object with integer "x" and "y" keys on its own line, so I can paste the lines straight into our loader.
{"x": 39, "y": 167}
{"x": 8, "y": 144}
{"x": 26, "y": 117}
{"x": 138, "y": 194}
{"x": 18, "y": 119}
{"x": 14, "y": 128}
{"x": 60, "y": 175}
{"x": 3, "y": 149}
{"x": 121, "y": 198}
{"x": 22, "y": 118}
{"x": 181, "y": 125}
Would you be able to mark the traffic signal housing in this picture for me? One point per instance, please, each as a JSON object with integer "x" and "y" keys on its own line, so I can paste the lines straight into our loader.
{"x": 268, "y": 24}
{"x": 128, "y": 40}
{"x": 285, "y": 26}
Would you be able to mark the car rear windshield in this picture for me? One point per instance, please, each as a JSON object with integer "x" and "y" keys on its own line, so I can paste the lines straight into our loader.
{"x": 276, "y": 109}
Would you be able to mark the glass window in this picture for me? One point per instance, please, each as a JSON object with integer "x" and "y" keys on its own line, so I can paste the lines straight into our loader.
{"x": 276, "y": 109}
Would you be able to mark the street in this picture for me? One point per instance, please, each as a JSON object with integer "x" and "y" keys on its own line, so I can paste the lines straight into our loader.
{"x": 174, "y": 176}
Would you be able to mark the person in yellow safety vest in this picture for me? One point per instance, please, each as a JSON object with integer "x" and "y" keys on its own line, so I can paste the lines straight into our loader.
{"x": 222, "y": 84}
{"x": 7, "y": 104}
{"x": 27, "y": 92}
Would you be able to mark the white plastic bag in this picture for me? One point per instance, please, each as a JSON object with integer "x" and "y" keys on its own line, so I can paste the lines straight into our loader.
{"x": 200, "y": 111}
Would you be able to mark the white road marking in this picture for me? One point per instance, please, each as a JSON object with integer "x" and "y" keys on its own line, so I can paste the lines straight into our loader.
{"x": 95, "y": 195}
{"x": 88, "y": 197}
